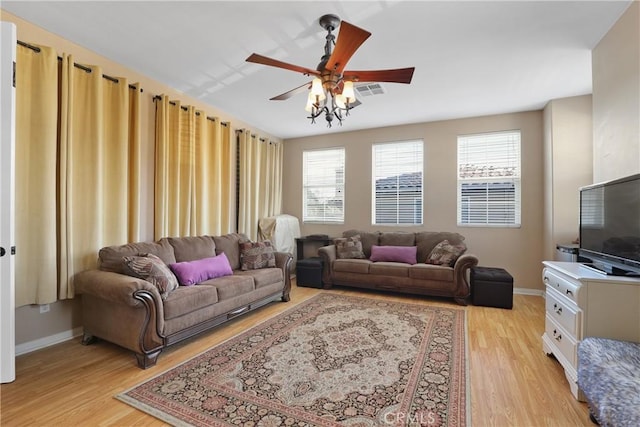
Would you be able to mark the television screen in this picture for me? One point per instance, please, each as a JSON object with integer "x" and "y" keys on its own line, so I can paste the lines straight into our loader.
{"x": 610, "y": 222}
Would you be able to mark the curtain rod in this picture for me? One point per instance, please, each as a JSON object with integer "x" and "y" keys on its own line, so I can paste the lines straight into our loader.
{"x": 80, "y": 66}
{"x": 182, "y": 107}
{"x": 253, "y": 135}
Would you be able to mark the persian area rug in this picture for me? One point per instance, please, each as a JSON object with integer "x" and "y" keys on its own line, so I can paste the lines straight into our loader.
{"x": 331, "y": 360}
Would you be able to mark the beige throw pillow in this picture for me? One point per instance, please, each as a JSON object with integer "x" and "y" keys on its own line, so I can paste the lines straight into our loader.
{"x": 444, "y": 253}
{"x": 349, "y": 247}
{"x": 152, "y": 269}
{"x": 255, "y": 255}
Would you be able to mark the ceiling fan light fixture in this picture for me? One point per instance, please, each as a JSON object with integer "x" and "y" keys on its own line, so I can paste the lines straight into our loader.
{"x": 330, "y": 76}
{"x": 311, "y": 100}
{"x": 317, "y": 90}
{"x": 348, "y": 91}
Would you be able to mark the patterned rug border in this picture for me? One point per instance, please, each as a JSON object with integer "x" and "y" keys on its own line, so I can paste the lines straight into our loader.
{"x": 172, "y": 420}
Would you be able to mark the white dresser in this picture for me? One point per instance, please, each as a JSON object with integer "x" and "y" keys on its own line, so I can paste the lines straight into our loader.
{"x": 583, "y": 303}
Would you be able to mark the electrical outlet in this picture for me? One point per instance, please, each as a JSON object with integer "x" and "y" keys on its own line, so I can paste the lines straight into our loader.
{"x": 44, "y": 308}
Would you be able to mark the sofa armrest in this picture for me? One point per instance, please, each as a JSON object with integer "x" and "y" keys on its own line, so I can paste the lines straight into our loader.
{"x": 284, "y": 260}
{"x": 114, "y": 287}
{"x": 328, "y": 255}
{"x": 461, "y": 272}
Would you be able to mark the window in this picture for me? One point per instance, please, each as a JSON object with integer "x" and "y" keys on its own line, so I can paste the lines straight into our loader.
{"x": 323, "y": 186}
{"x": 489, "y": 179}
{"x": 397, "y": 183}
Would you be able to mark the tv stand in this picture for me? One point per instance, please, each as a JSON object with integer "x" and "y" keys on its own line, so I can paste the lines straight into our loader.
{"x": 580, "y": 303}
{"x": 609, "y": 270}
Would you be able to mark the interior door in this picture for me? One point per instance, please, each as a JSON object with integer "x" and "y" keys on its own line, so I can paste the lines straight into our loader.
{"x": 7, "y": 201}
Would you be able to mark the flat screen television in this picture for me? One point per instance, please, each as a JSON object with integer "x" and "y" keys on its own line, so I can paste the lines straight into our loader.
{"x": 610, "y": 226}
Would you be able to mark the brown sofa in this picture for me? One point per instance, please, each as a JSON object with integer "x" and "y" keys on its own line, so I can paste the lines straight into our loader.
{"x": 132, "y": 313}
{"x": 420, "y": 278}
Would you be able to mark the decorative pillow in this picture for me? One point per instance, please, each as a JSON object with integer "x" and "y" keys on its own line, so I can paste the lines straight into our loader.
{"x": 152, "y": 269}
{"x": 349, "y": 247}
{"x": 255, "y": 255}
{"x": 405, "y": 254}
{"x": 193, "y": 272}
{"x": 444, "y": 253}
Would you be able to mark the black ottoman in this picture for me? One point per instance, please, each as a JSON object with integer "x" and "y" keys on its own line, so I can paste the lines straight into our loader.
{"x": 491, "y": 287}
{"x": 309, "y": 272}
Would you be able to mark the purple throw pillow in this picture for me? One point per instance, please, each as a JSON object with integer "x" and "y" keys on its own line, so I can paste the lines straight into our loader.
{"x": 405, "y": 254}
{"x": 193, "y": 272}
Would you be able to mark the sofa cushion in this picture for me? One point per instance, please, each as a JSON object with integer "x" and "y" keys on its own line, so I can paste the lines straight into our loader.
{"x": 352, "y": 265}
{"x": 406, "y": 254}
{"x": 264, "y": 276}
{"x": 230, "y": 245}
{"x": 368, "y": 239}
{"x": 192, "y": 247}
{"x": 389, "y": 269}
{"x": 152, "y": 269}
{"x": 446, "y": 253}
{"x": 431, "y": 272}
{"x": 397, "y": 238}
{"x": 110, "y": 257}
{"x": 349, "y": 247}
{"x": 193, "y": 272}
{"x": 255, "y": 255}
{"x": 187, "y": 299}
{"x": 427, "y": 240}
{"x": 231, "y": 286}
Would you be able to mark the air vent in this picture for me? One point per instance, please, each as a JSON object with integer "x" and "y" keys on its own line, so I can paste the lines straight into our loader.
{"x": 370, "y": 89}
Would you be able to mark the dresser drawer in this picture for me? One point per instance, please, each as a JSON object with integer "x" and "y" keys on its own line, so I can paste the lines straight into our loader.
{"x": 562, "y": 340}
{"x": 560, "y": 284}
{"x": 567, "y": 315}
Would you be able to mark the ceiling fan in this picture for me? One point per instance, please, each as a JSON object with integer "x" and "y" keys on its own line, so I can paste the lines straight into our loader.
{"x": 331, "y": 91}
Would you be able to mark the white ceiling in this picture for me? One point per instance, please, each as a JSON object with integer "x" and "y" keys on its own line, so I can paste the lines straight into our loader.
{"x": 471, "y": 58}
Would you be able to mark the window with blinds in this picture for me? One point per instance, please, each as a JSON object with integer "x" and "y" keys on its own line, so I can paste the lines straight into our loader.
{"x": 323, "y": 186}
{"x": 489, "y": 179}
{"x": 397, "y": 183}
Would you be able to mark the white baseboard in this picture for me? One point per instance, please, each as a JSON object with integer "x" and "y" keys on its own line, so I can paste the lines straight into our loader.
{"x": 528, "y": 291}
{"x": 41, "y": 343}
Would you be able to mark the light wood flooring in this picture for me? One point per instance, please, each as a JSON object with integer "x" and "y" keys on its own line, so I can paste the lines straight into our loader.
{"x": 513, "y": 383}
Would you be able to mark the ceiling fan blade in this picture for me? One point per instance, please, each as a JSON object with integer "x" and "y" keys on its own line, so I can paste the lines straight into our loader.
{"x": 259, "y": 59}
{"x": 350, "y": 38}
{"x": 400, "y": 75}
{"x": 292, "y": 92}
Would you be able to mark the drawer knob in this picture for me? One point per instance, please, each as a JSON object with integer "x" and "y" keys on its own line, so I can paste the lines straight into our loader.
{"x": 546, "y": 279}
{"x": 557, "y": 309}
{"x": 569, "y": 292}
{"x": 556, "y": 335}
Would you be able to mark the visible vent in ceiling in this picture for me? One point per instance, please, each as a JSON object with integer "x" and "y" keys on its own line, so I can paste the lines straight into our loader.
{"x": 370, "y": 89}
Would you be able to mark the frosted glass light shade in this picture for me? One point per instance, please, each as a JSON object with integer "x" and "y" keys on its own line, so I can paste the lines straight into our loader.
{"x": 341, "y": 101}
{"x": 317, "y": 89}
{"x": 310, "y": 101}
{"x": 348, "y": 92}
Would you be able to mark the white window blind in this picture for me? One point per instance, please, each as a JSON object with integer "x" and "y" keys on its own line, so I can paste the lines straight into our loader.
{"x": 592, "y": 212}
{"x": 489, "y": 179}
{"x": 323, "y": 186}
{"x": 397, "y": 183}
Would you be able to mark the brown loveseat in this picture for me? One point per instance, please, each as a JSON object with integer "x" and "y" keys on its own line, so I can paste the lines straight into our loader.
{"x": 450, "y": 278}
{"x": 144, "y": 317}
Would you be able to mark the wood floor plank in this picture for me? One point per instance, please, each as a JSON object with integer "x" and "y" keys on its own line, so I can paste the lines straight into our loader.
{"x": 513, "y": 383}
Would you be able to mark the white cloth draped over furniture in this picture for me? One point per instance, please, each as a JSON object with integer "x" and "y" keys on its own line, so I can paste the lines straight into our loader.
{"x": 194, "y": 172}
{"x": 281, "y": 230}
{"x": 260, "y": 181}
